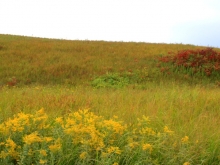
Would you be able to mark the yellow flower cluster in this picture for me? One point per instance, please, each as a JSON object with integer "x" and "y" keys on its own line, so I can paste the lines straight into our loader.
{"x": 147, "y": 147}
{"x": 113, "y": 125}
{"x": 15, "y": 125}
{"x": 83, "y": 155}
{"x": 24, "y": 134}
{"x": 56, "y": 146}
{"x": 167, "y": 130}
{"x": 24, "y": 122}
{"x": 132, "y": 144}
{"x": 35, "y": 138}
{"x": 185, "y": 139}
{"x": 85, "y": 128}
{"x": 113, "y": 150}
{"x": 11, "y": 149}
{"x": 148, "y": 131}
{"x": 32, "y": 138}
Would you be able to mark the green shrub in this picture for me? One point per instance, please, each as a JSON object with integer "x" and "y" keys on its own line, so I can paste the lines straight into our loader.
{"x": 113, "y": 80}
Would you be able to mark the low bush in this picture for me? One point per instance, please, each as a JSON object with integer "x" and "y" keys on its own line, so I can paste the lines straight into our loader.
{"x": 113, "y": 80}
{"x": 119, "y": 80}
{"x": 201, "y": 62}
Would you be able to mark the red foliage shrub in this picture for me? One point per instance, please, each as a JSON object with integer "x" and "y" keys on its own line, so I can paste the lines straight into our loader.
{"x": 204, "y": 60}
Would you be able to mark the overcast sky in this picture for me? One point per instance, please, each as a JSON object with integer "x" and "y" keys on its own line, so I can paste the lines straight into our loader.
{"x": 194, "y": 22}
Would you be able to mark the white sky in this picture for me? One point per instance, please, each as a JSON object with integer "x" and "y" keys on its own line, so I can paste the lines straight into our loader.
{"x": 160, "y": 21}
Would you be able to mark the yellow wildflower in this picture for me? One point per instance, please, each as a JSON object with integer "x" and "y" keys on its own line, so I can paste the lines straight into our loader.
{"x": 145, "y": 118}
{"x": 147, "y": 147}
{"x": 40, "y": 112}
{"x": 167, "y": 130}
{"x": 24, "y": 118}
{"x": 10, "y": 143}
{"x": 77, "y": 115}
{"x": 3, "y": 154}
{"x": 13, "y": 125}
{"x": 114, "y": 150}
{"x": 186, "y": 163}
{"x": 148, "y": 131}
{"x": 116, "y": 126}
{"x": 47, "y": 139}
{"x": 43, "y": 152}
{"x": 83, "y": 155}
{"x": 42, "y": 161}
{"x": 11, "y": 148}
{"x": 3, "y": 129}
{"x": 115, "y": 163}
{"x": 32, "y": 138}
{"x": 185, "y": 139}
{"x": 133, "y": 144}
{"x": 54, "y": 147}
{"x": 41, "y": 116}
{"x": 70, "y": 122}
{"x": 59, "y": 120}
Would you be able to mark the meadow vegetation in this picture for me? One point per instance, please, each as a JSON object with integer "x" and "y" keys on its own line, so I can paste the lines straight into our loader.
{"x": 96, "y": 102}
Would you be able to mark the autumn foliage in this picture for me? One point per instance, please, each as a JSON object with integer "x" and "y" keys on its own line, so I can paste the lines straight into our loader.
{"x": 195, "y": 62}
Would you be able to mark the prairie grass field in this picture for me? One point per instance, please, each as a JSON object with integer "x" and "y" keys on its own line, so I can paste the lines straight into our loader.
{"x": 103, "y": 103}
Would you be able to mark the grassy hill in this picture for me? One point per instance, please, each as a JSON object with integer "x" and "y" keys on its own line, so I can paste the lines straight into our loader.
{"x": 136, "y": 113}
{"x": 46, "y": 61}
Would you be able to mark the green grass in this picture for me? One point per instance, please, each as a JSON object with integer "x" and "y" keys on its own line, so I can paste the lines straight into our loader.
{"x": 111, "y": 79}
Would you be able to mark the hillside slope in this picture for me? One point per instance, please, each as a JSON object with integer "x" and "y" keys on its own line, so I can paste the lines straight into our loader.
{"x": 27, "y": 60}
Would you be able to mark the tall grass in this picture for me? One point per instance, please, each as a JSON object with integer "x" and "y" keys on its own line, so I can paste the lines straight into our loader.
{"x": 189, "y": 110}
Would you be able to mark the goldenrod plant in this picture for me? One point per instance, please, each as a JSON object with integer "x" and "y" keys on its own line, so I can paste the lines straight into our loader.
{"x": 82, "y": 137}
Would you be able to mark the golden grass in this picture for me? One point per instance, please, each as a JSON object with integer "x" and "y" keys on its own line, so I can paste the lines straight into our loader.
{"x": 188, "y": 110}
{"x": 45, "y": 61}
